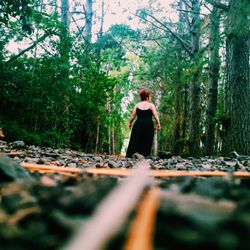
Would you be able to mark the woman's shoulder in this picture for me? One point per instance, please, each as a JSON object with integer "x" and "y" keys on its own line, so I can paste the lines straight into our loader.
{"x": 151, "y": 105}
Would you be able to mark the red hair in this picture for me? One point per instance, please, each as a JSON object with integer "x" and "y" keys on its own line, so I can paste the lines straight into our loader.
{"x": 144, "y": 94}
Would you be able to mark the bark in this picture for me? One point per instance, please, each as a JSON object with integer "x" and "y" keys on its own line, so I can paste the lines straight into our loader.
{"x": 97, "y": 136}
{"x": 155, "y": 141}
{"x": 65, "y": 46}
{"x": 100, "y": 34}
{"x": 236, "y": 135}
{"x": 185, "y": 112}
{"x": 177, "y": 133}
{"x": 88, "y": 18}
{"x": 113, "y": 139}
{"x": 65, "y": 13}
{"x": 176, "y": 136}
{"x": 64, "y": 36}
{"x": 195, "y": 88}
{"x": 214, "y": 67}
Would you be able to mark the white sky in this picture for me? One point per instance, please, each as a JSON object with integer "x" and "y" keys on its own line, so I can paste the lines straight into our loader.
{"x": 119, "y": 11}
{"x": 116, "y": 11}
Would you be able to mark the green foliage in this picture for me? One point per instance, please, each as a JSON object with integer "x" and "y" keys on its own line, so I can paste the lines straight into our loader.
{"x": 237, "y": 23}
{"x": 65, "y": 92}
{"x": 123, "y": 31}
{"x": 18, "y": 9}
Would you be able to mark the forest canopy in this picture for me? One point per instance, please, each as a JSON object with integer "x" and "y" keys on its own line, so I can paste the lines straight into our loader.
{"x": 73, "y": 82}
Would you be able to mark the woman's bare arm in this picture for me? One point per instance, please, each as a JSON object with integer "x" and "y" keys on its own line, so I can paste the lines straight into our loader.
{"x": 132, "y": 116}
{"x": 155, "y": 114}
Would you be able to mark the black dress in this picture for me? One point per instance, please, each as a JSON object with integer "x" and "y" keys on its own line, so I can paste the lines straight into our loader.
{"x": 142, "y": 134}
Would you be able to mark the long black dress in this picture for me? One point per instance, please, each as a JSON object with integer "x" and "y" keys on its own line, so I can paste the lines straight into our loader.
{"x": 142, "y": 134}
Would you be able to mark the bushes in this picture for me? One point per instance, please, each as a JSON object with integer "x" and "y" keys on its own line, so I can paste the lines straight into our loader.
{"x": 50, "y": 138}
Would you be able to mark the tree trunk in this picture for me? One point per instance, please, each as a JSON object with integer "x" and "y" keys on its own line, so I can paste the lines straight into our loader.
{"x": 214, "y": 67}
{"x": 177, "y": 133}
{"x": 97, "y": 136}
{"x": 65, "y": 45}
{"x": 113, "y": 139}
{"x": 64, "y": 36}
{"x": 237, "y": 90}
{"x": 155, "y": 141}
{"x": 185, "y": 112}
{"x": 88, "y": 18}
{"x": 99, "y": 36}
{"x": 195, "y": 88}
{"x": 176, "y": 136}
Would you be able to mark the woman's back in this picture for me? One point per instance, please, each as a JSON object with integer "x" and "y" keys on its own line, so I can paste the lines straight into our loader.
{"x": 144, "y": 114}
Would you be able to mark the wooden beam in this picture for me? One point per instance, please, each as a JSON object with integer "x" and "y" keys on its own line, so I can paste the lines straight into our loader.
{"x": 124, "y": 172}
{"x": 141, "y": 233}
{"x": 112, "y": 212}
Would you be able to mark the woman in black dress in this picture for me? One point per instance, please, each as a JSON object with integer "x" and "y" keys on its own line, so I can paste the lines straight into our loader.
{"x": 142, "y": 134}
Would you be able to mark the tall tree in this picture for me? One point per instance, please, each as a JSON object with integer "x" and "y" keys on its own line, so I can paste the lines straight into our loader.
{"x": 65, "y": 46}
{"x": 237, "y": 89}
{"x": 214, "y": 67}
{"x": 195, "y": 86}
{"x": 177, "y": 133}
{"x": 88, "y": 18}
{"x": 65, "y": 36}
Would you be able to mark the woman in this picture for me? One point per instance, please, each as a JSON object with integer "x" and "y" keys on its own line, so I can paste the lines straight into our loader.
{"x": 142, "y": 134}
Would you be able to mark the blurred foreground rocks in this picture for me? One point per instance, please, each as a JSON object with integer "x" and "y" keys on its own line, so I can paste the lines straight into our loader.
{"x": 43, "y": 211}
{"x": 12, "y": 171}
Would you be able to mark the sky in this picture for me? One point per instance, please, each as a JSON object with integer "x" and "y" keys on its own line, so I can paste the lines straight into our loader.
{"x": 116, "y": 11}
{"x": 119, "y": 11}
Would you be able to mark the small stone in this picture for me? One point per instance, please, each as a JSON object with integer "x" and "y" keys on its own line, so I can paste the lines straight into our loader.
{"x": 17, "y": 145}
{"x": 72, "y": 165}
{"x": 127, "y": 164}
{"x": 165, "y": 154}
{"x": 234, "y": 154}
{"x": 137, "y": 156}
{"x": 98, "y": 159}
{"x": 113, "y": 164}
{"x": 11, "y": 170}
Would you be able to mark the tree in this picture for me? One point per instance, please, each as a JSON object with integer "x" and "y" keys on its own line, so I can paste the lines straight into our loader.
{"x": 237, "y": 89}
{"x": 88, "y": 18}
{"x": 176, "y": 144}
{"x": 195, "y": 86}
{"x": 214, "y": 67}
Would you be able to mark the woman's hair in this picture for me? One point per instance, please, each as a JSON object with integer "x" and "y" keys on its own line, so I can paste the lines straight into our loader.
{"x": 144, "y": 94}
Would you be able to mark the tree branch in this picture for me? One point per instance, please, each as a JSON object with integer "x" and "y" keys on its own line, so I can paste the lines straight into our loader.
{"x": 190, "y": 11}
{"x": 218, "y": 4}
{"x": 187, "y": 4}
{"x": 29, "y": 48}
{"x": 184, "y": 44}
{"x": 79, "y": 30}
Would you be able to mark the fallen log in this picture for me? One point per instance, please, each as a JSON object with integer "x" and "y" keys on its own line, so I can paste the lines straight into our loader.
{"x": 142, "y": 229}
{"x": 112, "y": 213}
{"x": 124, "y": 172}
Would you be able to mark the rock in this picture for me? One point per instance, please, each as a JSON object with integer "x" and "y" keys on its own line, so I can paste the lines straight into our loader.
{"x": 11, "y": 171}
{"x": 97, "y": 159}
{"x": 72, "y": 165}
{"x": 17, "y": 145}
{"x": 137, "y": 156}
{"x": 231, "y": 163}
{"x": 3, "y": 145}
{"x": 40, "y": 161}
{"x": 51, "y": 154}
{"x": 234, "y": 154}
{"x": 127, "y": 164}
{"x": 243, "y": 158}
{"x": 113, "y": 164}
{"x": 165, "y": 154}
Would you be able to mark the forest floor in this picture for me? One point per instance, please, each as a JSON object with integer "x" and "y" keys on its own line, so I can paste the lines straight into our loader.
{"x": 45, "y": 211}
